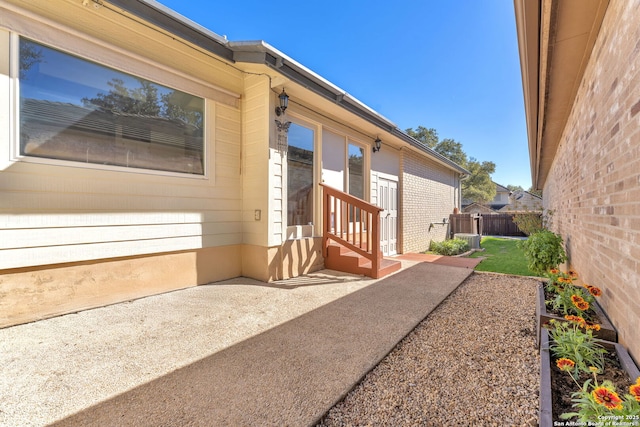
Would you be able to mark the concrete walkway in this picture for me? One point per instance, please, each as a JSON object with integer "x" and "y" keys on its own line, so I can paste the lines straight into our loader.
{"x": 235, "y": 353}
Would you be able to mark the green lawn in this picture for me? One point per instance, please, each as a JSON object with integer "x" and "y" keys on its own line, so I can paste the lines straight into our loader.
{"x": 502, "y": 256}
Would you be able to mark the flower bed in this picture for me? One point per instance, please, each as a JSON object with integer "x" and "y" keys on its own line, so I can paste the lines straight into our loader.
{"x": 557, "y": 388}
{"x": 560, "y": 298}
{"x": 606, "y": 332}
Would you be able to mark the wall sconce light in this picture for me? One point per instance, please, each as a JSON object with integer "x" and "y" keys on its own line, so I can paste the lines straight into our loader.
{"x": 284, "y": 103}
{"x": 378, "y": 143}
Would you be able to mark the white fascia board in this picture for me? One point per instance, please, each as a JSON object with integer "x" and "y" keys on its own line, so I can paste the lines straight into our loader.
{"x": 263, "y": 46}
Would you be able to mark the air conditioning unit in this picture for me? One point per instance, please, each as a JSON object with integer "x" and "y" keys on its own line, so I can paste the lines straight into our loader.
{"x": 472, "y": 239}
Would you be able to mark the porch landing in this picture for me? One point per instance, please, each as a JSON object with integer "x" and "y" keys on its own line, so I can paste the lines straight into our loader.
{"x": 342, "y": 259}
{"x": 238, "y": 352}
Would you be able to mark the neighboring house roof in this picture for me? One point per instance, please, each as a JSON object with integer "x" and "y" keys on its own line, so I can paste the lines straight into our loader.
{"x": 477, "y": 208}
{"x": 553, "y": 58}
{"x": 523, "y": 201}
{"x": 259, "y": 52}
{"x": 171, "y": 132}
{"x": 517, "y": 195}
{"x": 518, "y": 199}
{"x": 501, "y": 188}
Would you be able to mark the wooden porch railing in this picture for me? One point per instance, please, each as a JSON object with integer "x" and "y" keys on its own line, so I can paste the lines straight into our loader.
{"x": 351, "y": 222}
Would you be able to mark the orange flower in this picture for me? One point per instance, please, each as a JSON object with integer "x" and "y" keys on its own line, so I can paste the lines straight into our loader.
{"x": 573, "y": 274}
{"x": 635, "y": 390}
{"x": 595, "y": 291}
{"x": 564, "y": 280}
{"x": 577, "y": 319}
{"x": 582, "y": 305}
{"x": 606, "y": 397}
{"x": 565, "y": 364}
{"x": 590, "y": 325}
{"x": 554, "y": 271}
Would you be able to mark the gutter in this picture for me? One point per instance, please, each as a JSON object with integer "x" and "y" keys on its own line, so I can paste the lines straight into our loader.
{"x": 260, "y": 52}
{"x": 171, "y": 21}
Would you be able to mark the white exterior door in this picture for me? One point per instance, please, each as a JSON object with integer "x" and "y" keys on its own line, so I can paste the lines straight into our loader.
{"x": 388, "y": 200}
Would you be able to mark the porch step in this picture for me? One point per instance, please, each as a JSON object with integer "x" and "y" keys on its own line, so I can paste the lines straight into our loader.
{"x": 342, "y": 259}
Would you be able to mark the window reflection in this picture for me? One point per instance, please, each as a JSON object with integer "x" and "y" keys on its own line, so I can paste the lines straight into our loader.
{"x": 74, "y": 109}
{"x": 356, "y": 171}
{"x": 300, "y": 175}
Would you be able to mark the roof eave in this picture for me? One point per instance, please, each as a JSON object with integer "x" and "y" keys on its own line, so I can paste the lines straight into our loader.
{"x": 555, "y": 41}
{"x": 259, "y": 52}
{"x": 171, "y": 21}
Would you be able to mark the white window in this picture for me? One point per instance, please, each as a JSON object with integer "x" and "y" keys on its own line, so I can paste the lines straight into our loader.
{"x": 76, "y": 110}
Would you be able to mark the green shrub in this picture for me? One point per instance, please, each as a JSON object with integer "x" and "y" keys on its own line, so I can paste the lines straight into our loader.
{"x": 571, "y": 342}
{"x": 449, "y": 247}
{"x": 544, "y": 250}
{"x": 530, "y": 222}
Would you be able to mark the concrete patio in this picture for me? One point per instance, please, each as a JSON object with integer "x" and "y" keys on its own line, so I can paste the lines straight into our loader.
{"x": 238, "y": 352}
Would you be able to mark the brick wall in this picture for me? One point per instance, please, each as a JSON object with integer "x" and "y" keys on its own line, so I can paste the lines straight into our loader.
{"x": 429, "y": 194}
{"x": 594, "y": 185}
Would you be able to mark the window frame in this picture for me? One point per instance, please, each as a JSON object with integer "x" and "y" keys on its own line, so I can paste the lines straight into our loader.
{"x": 304, "y": 121}
{"x": 366, "y": 168}
{"x": 175, "y": 77}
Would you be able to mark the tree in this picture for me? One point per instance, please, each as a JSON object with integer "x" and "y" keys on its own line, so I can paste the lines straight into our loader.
{"x": 30, "y": 55}
{"x": 142, "y": 100}
{"x": 515, "y": 188}
{"x": 145, "y": 100}
{"x": 452, "y": 150}
{"x": 428, "y": 137}
{"x": 479, "y": 187}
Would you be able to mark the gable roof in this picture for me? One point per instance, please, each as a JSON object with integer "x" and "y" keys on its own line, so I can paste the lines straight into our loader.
{"x": 261, "y": 53}
{"x": 501, "y": 188}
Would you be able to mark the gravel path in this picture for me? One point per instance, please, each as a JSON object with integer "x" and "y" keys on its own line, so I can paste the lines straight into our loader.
{"x": 472, "y": 361}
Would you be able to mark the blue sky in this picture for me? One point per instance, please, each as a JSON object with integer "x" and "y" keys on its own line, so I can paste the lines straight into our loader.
{"x": 451, "y": 65}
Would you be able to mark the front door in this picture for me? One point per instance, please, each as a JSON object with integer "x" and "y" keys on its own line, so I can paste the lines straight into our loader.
{"x": 388, "y": 200}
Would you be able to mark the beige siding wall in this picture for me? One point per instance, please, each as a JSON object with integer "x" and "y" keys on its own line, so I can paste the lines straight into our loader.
{"x": 255, "y": 180}
{"x": 428, "y": 194}
{"x": 73, "y": 235}
{"x": 594, "y": 184}
{"x": 66, "y": 212}
{"x": 278, "y": 181}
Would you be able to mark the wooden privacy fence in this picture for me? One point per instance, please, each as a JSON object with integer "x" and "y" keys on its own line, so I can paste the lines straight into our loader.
{"x": 493, "y": 224}
{"x": 465, "y": 223}
{"x": 500, "y": 224}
